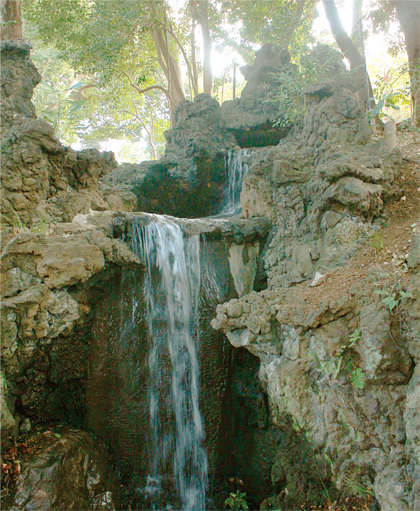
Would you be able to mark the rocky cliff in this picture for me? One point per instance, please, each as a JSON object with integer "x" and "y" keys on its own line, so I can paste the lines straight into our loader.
{"x": 337, "y": 330}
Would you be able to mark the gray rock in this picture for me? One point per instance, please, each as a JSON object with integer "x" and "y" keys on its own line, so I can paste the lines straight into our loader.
{"x": 413, "y": 260}
{"x": 355, "y": 194}
{"x": 71, "y": 472}
{"x": 251, "y": 117}
{"x": 25, "y": 426}
{"x": 318, "y": 279}
{"x": 391, "y": 489}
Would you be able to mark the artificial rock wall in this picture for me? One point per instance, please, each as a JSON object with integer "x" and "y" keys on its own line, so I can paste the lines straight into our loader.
{"x": 325, "y": 190}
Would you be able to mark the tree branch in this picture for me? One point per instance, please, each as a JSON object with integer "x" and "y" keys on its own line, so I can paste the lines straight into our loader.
{"x": 137, "y": 116}
{"x": 341, "y": 37}
{"x": 151, "y": 87}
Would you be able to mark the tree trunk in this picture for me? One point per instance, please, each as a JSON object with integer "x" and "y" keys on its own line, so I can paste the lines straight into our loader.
{"x": 348, "y": 48}
{"x": 408, "y": 15}
{"x": 194, "y": 77}
{"x": 11, "y": 20}
{"x": 171, "y": 71}
{"x": 207, "y": 70}
{"x": 355, "y": 30}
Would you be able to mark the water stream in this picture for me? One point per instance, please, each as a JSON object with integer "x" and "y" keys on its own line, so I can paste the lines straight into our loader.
{"x": 236, "y": 170}
{"x": 159, "y": 372}
{"x": 171, "y": 288}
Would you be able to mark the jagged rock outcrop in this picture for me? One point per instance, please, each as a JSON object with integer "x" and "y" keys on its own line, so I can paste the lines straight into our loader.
{"x": 42, "y": 181}
{"x": 320, "y": 188}
{"x": 188, "y": 180}
{"x": 335, "y": 358}
{"x": 251, "y": 117}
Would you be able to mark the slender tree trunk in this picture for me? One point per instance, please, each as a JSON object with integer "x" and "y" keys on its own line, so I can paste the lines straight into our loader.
{"x": 408, "y": 15}
{"x": 170, "y": 67}
{"x": 207, "y": 69}
{"x": 355, "y": 32}
{"x": 171, "y": 71}
{"x": 348, "y": 48}
{"x": 11, "y": 20}
{"x": 194, "y": 77}
{"x": 152, "y": 131}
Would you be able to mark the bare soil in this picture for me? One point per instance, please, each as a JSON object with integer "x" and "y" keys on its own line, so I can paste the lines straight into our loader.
{"x": 390, "y": 246}
{"x": 389, "y": 249}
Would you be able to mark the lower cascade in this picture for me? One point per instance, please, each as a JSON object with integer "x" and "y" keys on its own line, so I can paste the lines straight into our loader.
{"x": 171, "y": 289}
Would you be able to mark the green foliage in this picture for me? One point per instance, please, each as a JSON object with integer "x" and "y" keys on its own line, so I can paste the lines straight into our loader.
{"x": 311, "y": 67}
{"x": 380, "y": 19}
{"x": 82, "y": 109}
{"x": 378, "y": 242}
{"x": 354, "y": 337}
{"x": 391, "y": 300}
{"x": 357, "y": 378}
{"x": 243, "y": 24}
{"x": 237, "y": 501}
{"x": 358, "y": 488}
{"x": 92, "y": 55}
{"x": 346, "y": 362}
{"x": 391, "y": 92}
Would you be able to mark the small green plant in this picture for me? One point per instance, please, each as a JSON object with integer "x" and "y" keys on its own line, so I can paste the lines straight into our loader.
{"x": 378, "y": 243}
{"x": 392, "y": 91}
{"x": 40, "y": 227}
{"x": 18, "y": 225}
{"x": 358, "y": 488}
{"x": 237, "y": 501}
{"x": 391, "y": 299}
{"x": 357, "y": 378}
{"x": 346, "y": 362}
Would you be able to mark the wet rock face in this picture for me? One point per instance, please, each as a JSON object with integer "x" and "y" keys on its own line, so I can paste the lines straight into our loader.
{"x": 71, "y": 472}
{"x": 44, "y": 323}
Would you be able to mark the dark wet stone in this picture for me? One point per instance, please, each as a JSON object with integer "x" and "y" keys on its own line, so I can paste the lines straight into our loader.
{"x": 70, "y": 472}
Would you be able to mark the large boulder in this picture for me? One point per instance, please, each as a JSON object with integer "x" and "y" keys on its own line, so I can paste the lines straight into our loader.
{"x": 69, "y": 472}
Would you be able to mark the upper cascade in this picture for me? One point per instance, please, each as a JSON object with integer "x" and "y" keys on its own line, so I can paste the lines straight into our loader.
{"x": 236, "y": 168}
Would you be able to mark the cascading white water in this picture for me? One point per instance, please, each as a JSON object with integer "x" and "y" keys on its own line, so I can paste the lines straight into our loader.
{"x": 236, "y": 171}
{"x": 172, "y": 284}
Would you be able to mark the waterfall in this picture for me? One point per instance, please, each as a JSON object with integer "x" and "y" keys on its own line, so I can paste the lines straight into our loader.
{"x": 172, "y": 284}
{"x": 236, "y": 171}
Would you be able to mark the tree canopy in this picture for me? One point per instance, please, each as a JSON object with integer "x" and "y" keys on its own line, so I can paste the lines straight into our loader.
{"x": 120, "y": 67}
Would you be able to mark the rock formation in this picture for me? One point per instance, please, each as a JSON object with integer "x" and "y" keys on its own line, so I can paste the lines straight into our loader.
{"x": 337, "y": 355}
{"x": 336, "y": 359}
{"x": 188, "y": 180}
{"x": 251, "y": 118}
{"x": 43, "y": 181}
{"x": 68, "y": 472}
